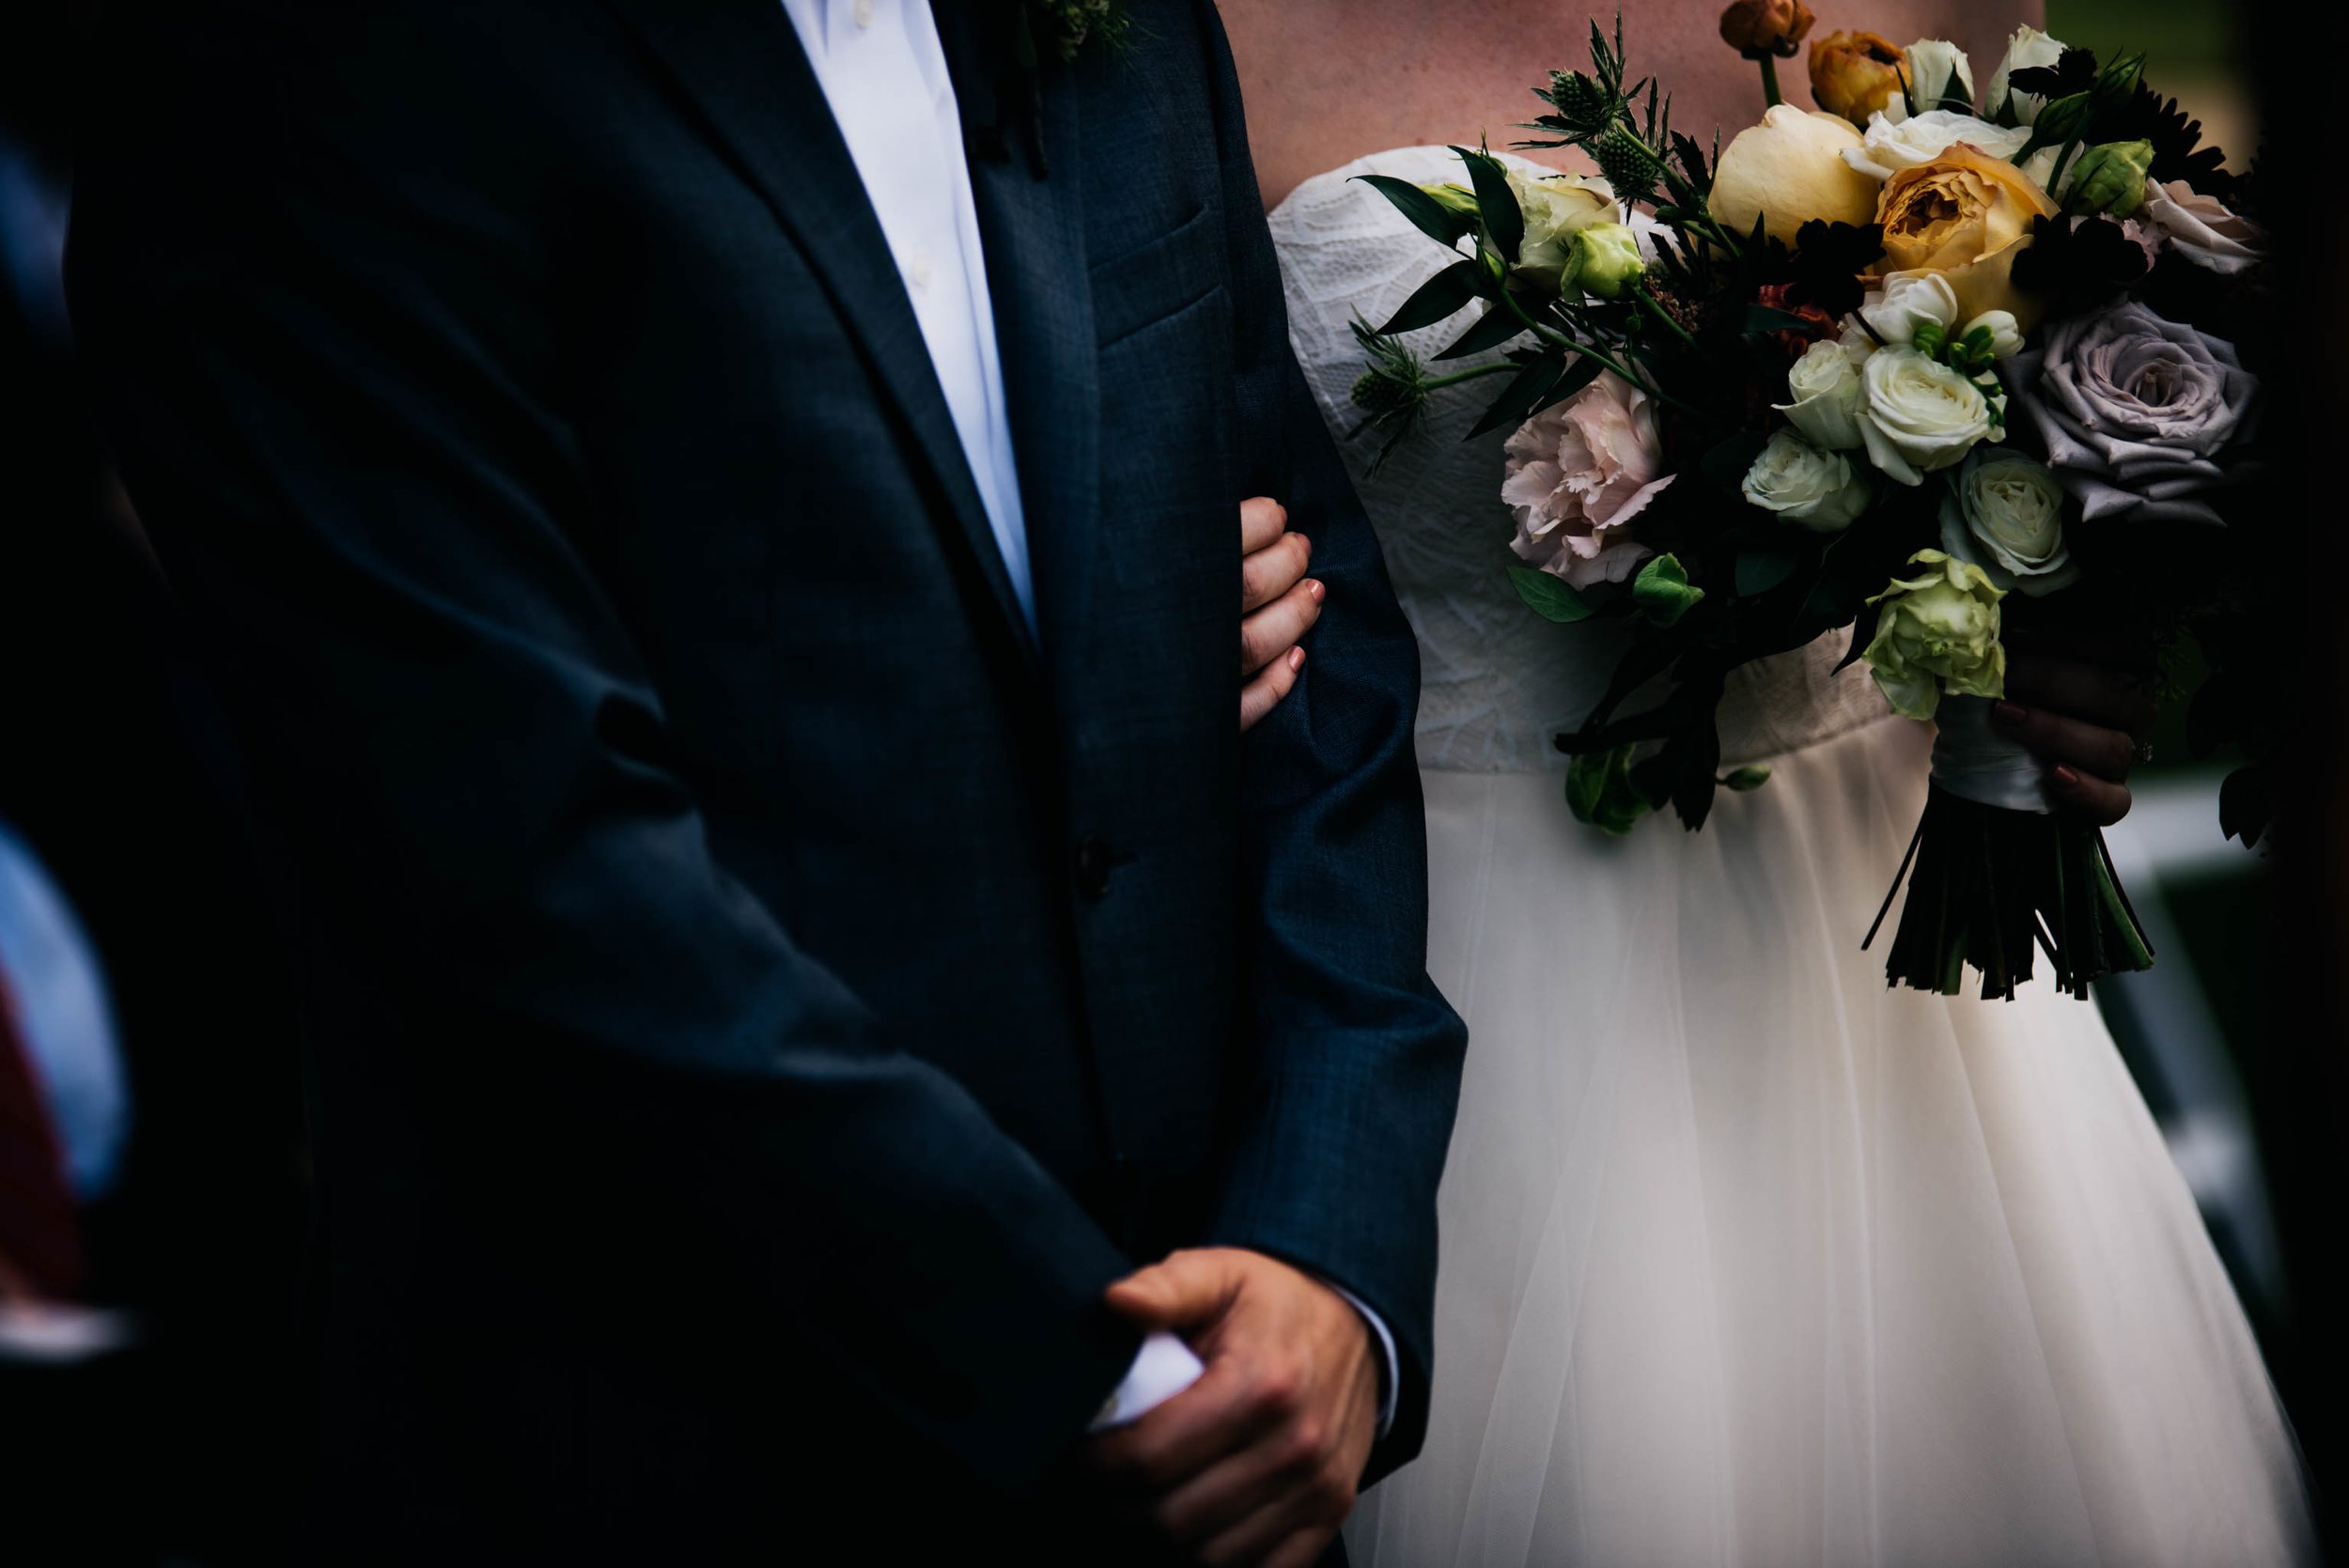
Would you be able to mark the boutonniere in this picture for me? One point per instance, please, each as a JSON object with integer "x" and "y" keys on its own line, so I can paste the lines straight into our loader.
{"x": 1069, "y": 27}
{"x": 1009, "y": 45}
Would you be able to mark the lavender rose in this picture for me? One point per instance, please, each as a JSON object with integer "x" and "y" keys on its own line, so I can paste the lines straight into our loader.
{"x": 2134, "y": 411}
{"x": 1577, "y": 472}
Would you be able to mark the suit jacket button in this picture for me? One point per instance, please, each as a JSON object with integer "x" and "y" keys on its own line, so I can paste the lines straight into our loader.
{"x": 1092, "y": 868}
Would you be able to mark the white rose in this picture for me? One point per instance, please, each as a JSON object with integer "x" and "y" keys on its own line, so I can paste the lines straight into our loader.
{"x": 2027, "y": 50}
{"x": 1554, "y": 208}
{"x": 1805, "y": 484}
{"x": 1917, "y": 414}
{"x": 1824, "y": 386}
{"x": 1909, "y": 301}
{"x": 2040, "y": 168}
{"x": 2006, "y": 333}
{"x": 1937, "y": 71}
{"x": 2005, "y": 513}
{"x": 1889, "y": 144}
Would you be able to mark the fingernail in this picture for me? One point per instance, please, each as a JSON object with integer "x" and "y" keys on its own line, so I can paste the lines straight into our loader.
{"x": 1297, "y": 659}
{"x": 2008, "y": 713}
{"x": 1313, "y": 586}
{"x": 2066, "y": 777}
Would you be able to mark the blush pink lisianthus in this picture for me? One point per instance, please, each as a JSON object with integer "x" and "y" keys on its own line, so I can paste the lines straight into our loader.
{"x": 1577, "y": 472}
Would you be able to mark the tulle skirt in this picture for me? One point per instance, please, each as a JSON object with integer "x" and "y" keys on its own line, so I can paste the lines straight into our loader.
{"x": 1749, "y": 1260}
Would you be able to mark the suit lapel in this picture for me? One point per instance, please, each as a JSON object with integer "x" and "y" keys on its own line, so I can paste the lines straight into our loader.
{"x": 1035, "y": 269}
{"x": 740, "y": 63}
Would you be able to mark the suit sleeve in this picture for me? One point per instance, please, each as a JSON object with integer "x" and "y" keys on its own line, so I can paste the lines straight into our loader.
{"x": 324, "y": 367}
{"x": 1359, "y": 1057}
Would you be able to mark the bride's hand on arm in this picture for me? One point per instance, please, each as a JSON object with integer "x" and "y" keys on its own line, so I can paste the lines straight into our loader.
{"x": 1278, "y": 605}
{"x": 2084, "y": 715}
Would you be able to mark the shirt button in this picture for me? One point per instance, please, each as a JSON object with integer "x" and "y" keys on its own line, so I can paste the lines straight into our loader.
{"x": 918, "y": 272}
{"x": 1092, "y": 868}
{"x": 864, "y": 13}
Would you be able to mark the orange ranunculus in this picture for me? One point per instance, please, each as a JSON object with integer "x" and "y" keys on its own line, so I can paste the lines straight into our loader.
{"x": 1758, "y": 28}
{"x": 1964, "y": 215}
{"x": 1855, "y": 74}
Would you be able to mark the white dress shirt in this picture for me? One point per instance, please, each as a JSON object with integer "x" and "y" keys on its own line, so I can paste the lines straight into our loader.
{"x": 884, "y": 75}
{"x": 880, "y": 66}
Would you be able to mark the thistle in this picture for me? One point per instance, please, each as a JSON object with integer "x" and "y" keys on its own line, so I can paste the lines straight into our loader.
{"x": 1391, "y": 392}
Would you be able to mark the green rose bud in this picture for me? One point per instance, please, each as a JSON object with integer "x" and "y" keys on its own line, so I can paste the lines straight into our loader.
{"x": 1935, "y": 632}
{"x": 1458, "y": 200}
{"x": 2111, "y": 178}
{"x": 1603, "y": 260}
{"x": 2062, "y": 120}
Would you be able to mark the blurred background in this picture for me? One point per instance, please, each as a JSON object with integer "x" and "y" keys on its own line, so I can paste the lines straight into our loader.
{"x": 2199, "y": 1029}
{"x": 151, "y": 1179}
{"x": 150, "y": 1192}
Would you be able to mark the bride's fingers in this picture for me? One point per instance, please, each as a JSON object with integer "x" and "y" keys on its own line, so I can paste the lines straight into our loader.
{"x": 1261, "y": 520}
{"x": 2094, "y": 749}
{"x": 1266, "y": 574}
{"x": 2100, "y": 800}
{"x": 1263, "y": 693}
{"x": 1279, "y": 627}
{"x": 2080, "y": 690}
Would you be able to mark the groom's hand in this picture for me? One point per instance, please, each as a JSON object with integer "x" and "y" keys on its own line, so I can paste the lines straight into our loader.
{"x": 1258, "y": 1461}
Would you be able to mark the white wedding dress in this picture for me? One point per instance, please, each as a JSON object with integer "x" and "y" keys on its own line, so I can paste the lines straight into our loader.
{"x": 1748, "y": 1259}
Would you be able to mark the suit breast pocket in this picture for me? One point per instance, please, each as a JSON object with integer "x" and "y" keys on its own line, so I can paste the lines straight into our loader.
{"x": 1138, "y": 289}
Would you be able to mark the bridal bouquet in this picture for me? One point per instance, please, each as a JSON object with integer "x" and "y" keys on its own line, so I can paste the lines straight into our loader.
{"x": 1896, "y": 366}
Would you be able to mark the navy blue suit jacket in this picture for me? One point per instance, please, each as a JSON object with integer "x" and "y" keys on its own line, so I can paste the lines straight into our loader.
{"x": 759, "y": 995}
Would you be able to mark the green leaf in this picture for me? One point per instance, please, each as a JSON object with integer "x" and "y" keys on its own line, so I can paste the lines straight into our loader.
{"x": 1498, "y": 326}
{"x": 1516, "y": 402}
{"x": 1752, "y": 776}
{"x": 1428, "y": 215}
{"x": 1662, "y": 592}
{"x": 1504, "y": 222}
{"x": 2246, "y": 804}
{"x": 1769, "y": 318}
{"x": 2059, "y": 122}
{"x": 1724, "y": 465}
{"x": 1551, "y": 597}
{"x": 1586, "y": 783}
{"x": 1698, "y": 755}
{"x": 1526, "y": 388}
{"x": 1758, "y": 571}
{"x": 1438, "y": 298}
{"x": 1605, "y": 790}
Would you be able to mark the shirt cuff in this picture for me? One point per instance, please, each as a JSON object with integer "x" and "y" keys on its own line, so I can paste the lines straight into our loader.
{"x": 1390, "y": 1369}
{"x": 1164, "y": 1367}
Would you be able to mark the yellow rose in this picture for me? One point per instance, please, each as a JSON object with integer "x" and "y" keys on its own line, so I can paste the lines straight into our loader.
{"x": 1965, "y": 216}
{"x": 1789, "y": 170}
{"x": 1855, "y": 74}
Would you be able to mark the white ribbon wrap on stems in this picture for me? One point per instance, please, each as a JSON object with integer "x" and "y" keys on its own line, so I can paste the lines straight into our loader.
{"x": 1972, "y": 760}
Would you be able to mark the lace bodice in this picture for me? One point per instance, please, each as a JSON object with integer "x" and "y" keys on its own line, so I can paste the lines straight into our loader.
{"x": 1498, "y": 681}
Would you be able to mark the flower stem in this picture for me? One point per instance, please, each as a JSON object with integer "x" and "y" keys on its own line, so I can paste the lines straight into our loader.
{"x": 1552, "y": 334}
{"x": 1771, "y": 97}
{"x": 1469, "y": 374}
{"x": 1639, "y": 290}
